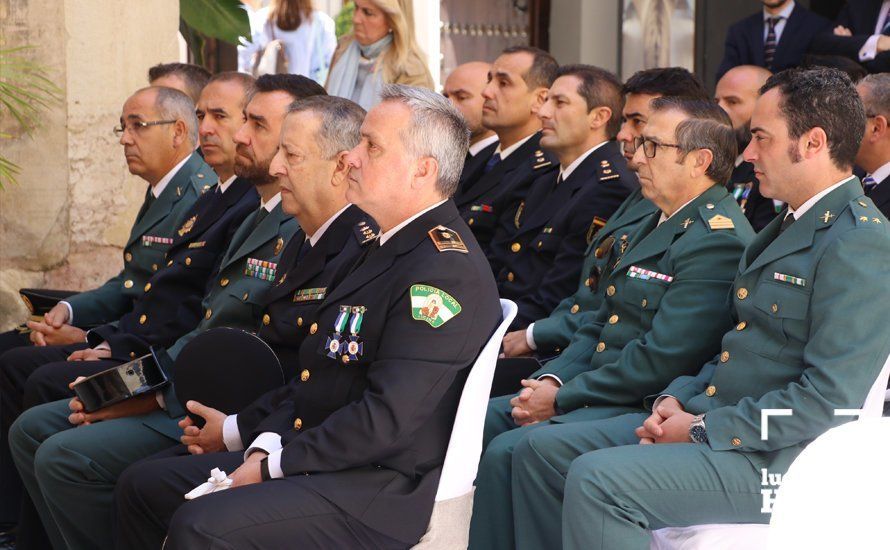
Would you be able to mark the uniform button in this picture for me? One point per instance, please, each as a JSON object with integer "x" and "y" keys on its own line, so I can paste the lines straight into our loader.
{"x": 736, "y": 442}
{"x": 299, "y": 321}
{"x": 540, "y": 244}
{"x": 470, "y": 221}
{"x": 774, "y": 308}
{"x": 344, "y": 358}
{"x": 132, "y": 355}
{"x": 510, "y": 276}
{"x": 610, "y": 290}
{"x": 128, "y": 257}
{"x": 515, "y": 247}
{"x": 644, "y": 303}
{"x": 724, "y": 357}
{"x": 128, "y": 284}
{"x": 244, "y": 298}
{"x": 143, "y": 319}
{"x": 147, "y": 287}
{"x": 600, "y": 347}
{"x": 588, "y": 282}
{"x": 742, "y": 293}
{"x": 223, "y": 282}
{"x": 304, "y": 375}
{"x": 154, "y": 267}
{"x": 298, "y": 423}
{"x": 711, "y": 391}
{"x": 709, "y": 206}
{"x": 613, "y": 319}
{"x": 188, "y": 261}
{"x": 266, "y": 319}
{"x": 208, "y": 314}
{"x": 313, "y": 328}
{"x": 169, "y": 263}
{"x": 576, "y": 308}
{"x": 741, "y": 326}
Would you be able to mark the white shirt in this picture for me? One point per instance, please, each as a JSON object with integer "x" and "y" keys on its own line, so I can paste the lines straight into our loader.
{"x": 270, "y": 204}
{"x": 814, "y": 199}
{"x": 482, "y": 144}
{"x": 315, "y": 237}
{"x": 665, "y": 217}
{"x": 389, "y": 234}
{"x": 509, "y": 150}
{"x": 223, "y": 185}
{"x": 881, "y": 173}
{"x": 567, "y": 171}
{"x": 780, "y": 24}
{"x": 869, "y": 50}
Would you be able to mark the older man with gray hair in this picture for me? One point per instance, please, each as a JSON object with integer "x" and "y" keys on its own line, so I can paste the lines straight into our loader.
{"x": 361, "y": 442}
{"x": 874, "y": 152}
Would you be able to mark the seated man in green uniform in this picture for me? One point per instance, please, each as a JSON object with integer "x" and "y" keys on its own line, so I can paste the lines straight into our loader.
{"x": 665, "y": 307}
{"x": 809, "y": 336}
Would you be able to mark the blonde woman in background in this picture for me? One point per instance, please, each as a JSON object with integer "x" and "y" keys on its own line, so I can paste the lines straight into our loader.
{"x": 381, "y": 50}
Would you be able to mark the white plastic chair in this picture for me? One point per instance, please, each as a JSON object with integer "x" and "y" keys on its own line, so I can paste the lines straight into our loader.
{"x": 449, "y": 527}
{"x": 755, "y": 536}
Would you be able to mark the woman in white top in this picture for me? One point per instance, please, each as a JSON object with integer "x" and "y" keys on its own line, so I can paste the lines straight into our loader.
{"x": 308, "y": 37}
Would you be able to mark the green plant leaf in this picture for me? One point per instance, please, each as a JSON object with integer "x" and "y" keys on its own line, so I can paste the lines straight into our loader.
{"x": 222, "y": 19}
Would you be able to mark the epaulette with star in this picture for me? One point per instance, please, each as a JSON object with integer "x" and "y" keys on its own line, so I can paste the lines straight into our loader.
{"x": 447, "y": 239}
{"x": 863, "y": 210}
{"x": 364, "y": 233}
{"x": 605, "y": 172}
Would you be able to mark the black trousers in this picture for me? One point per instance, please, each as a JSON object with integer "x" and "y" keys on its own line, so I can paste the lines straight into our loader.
{"x": 10, "y": 491}
{"x": 510, "y": 372}
{"x": 282, "y": 513}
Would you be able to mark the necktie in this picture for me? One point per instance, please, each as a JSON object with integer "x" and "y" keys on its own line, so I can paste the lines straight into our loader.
{"x": 304, "y": 249}
{"x": 886, "y": 29}
{"x": 146, "y": 204}
{"x": 869, "y": 183}
{"x": 260, "y": 217}
{"x": 769, "y": 46}
{"x": 492, "y": 162}
{"x": 786, "y": 223}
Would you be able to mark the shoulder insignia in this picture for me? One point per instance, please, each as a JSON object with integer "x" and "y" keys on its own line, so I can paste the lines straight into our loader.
{"x": 364, "y": 232}
{"x": 279, "y": 244}
{"x": 719, "y": 221}
{"x": 447, "y": 239}
{"x": 542, "y": 163}
{"x": 187, "y": 226}
{"x": 595, "y": 226}
{"x": 518, "y": 215}
{"x": 605, "y": 172}
{"x": 433, "y": 305}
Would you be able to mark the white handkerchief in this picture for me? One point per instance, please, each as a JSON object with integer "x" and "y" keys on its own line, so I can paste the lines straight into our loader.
{"x": 218, "y": 481}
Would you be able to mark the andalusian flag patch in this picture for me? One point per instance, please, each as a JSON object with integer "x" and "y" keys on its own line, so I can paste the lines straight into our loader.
{"x": 432, "y": 305}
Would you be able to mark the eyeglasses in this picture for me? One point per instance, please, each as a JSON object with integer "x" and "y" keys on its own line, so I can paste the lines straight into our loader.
{"x": 137, "y": 125}
{"x": 650, "y": 147}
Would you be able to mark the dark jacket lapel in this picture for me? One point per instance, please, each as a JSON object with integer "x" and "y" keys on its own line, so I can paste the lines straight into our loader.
{"x": 584, "y": 174}
{"x": 267, "y": 229}
{"x": 502, "y": 170}
{"x": 164, "y": 204}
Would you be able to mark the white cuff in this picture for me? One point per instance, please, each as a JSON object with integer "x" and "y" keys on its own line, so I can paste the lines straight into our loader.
{"x": 268, "y": 442}
{"x": 659, "y": 399}
{"x": 274, "y": 463}
{"x": 530, "y": 337}
{"x": 553, "y": 376}
{"x": 159, "y": 397}
{"x": 70, "y": 320}
{"x": 869, "y": 50}
{"x": 104, "y": 345}
{"x": 231, "y": 433}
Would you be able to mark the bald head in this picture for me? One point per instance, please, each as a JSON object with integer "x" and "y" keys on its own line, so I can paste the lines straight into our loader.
{"x": 738, "y": 90}
{"x": 463, "y": 88}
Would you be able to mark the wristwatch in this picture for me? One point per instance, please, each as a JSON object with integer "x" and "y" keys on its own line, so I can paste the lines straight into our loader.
{"x": 697, "y": 431}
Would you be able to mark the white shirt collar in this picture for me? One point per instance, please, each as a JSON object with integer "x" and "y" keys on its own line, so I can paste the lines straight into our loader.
{"x": 881, "y": 173}
{"x": 509, "y": 150}
{"x": 159, "y": 187}
{"x": 739, "y": 160}
{"x": 324, "y": 227}
{"x": 665, "y": 218}
{"x": 271, "y": 203}
{"x": 482, "y": 144}
{"x": 814, "y": 199}
{"x": 567, "y": 171}
{"x": 223, "y": 185}
{"x": 786, "y": 13}
{"x": 389, "y": 234}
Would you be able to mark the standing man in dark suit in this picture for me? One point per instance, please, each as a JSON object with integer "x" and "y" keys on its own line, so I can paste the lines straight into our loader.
{"x": 517, "y": 87}
{"x": 359, "y": 445}
{"x": 775, "y": 38}
{"x": 463, "y": 88}
{"x": 874, "y": 152}
{"x": 537, "y": 257}
{"x": 862, "y": 34}
{"x": 736, "y": 94}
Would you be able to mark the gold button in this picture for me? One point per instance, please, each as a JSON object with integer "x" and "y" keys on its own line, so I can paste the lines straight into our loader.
{"x": 244, "y": 298}
{"x": 298, "y": 423}
{"x": 169, "y": 263}
{"x": 313, "y": 328}
{"x": 510, "y": 276}
{"x": 304, "y": 375}
{"x": 724, "y": 357}
{"x": 128, "y": 284}
{"x": 742, "y": 293}
{"x": 132, "y": 355}
{"x": 613, "y": 319}
{"x": 711, "y": 391}
{"x": 515, "y": 247}
{"x": 774, "y": 308}
{"x": 644, "y": 303}
{"x": 588, "y": 282}
{"x": 223, "y": 282}
{"x": 266, "y": 319}
{"x": 600, "y": 347}
{"x": 128, "y": 257}
{"x": 299, "y": 321}
{"x": 344, "y": 358}
{"x": 540, "y": 244}
{"x": 470, "y": 222}
{"x": 610, "y": 290}
{"x": 147, "y": 287}
{"x": 736, "y": 442}
{"x": 188, "y": 261}
{"x": 741, "y": 326}
{"x": 154, "y": 267}
{"x": 576, "y": 308}
{"x": 143, "y": 319}
{"x": 208, "y": 314}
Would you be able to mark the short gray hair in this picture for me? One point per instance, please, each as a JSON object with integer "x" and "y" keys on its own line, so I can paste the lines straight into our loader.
{"x": 174, "y": 105}
{"x": 877, "y": 100}
{"x": 341, "y": 122}
{"x": 436, "y": 130}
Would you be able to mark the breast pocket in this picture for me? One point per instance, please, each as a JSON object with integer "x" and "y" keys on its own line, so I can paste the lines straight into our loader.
{"x": 644, "y": 296}
{"x": 786, "y": 310}
{"x": 546, "y": 242}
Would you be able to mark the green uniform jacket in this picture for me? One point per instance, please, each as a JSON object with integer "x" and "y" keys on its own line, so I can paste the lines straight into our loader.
{"x": 811, "y": 332}
{"x": 150, "y": 237}
{"x": 665, "y": 309}
{"x": 235, "y": 297}
{"x": 555, "y": 332}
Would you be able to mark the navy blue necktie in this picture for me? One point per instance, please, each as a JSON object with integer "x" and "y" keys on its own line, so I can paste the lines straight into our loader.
{"x": 769, "y": 45}
{"x": 492, "y": 162}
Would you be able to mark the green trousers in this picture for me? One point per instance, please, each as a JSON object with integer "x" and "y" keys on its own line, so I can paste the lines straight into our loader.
{"x": 70, "y": 472}
{"x": 590, "y": 485}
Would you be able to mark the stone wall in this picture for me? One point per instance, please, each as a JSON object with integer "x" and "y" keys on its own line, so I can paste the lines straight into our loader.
{"x": 64, "y": 224}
